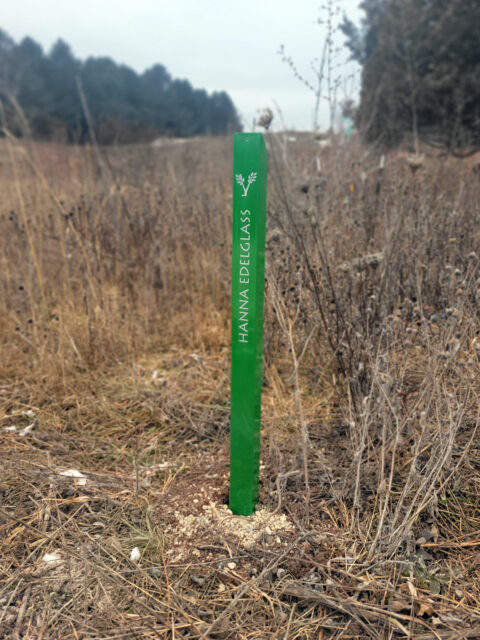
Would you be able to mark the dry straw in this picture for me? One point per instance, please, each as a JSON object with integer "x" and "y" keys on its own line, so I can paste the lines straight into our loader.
{"x": 114, "y": 270}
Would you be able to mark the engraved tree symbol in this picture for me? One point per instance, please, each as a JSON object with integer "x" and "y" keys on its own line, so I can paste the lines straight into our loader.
{"x": 241, "y": 181}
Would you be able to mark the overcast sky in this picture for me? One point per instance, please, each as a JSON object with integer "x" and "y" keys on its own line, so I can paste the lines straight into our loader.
{"x": 216, "y": 44}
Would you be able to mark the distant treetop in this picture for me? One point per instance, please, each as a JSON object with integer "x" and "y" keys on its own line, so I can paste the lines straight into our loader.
{"x": 44, "y": 90}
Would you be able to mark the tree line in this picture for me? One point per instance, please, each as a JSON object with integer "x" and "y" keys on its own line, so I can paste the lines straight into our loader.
{"x": 420, "y": 72}
{"x": 55, "y": 96}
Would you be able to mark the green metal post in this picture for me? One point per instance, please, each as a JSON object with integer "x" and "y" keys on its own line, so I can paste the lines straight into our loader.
{"x": 248, "y": 274}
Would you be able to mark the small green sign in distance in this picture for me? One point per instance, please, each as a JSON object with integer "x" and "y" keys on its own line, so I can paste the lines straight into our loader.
{"x": 248, "y": 273}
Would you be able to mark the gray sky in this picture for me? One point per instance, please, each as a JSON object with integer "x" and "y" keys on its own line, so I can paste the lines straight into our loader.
{"x": 216, "y": 44}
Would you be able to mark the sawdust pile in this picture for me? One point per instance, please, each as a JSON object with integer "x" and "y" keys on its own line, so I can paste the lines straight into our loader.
{"x": 193, "y": 534}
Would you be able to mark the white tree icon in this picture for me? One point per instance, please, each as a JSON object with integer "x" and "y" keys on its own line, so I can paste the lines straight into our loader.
{"x": 241, "y": 181}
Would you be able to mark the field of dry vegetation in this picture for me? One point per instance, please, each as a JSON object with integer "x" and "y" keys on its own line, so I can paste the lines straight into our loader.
{"x": 114, "y": 396}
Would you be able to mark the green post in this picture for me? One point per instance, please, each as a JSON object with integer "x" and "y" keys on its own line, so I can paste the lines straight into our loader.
{"x": 248, "y": 273}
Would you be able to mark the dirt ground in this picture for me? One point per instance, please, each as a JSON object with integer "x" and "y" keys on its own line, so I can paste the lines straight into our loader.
{"x": 101, "y": 542}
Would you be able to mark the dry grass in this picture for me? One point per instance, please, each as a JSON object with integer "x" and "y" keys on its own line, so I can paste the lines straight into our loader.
{"x": 114, "y": 298}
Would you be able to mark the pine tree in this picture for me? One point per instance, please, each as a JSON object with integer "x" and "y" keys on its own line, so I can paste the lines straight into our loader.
{"x": 420, "y": 72}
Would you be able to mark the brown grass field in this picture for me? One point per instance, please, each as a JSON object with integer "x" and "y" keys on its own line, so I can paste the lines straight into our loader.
{"x": 114, "y": 364}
